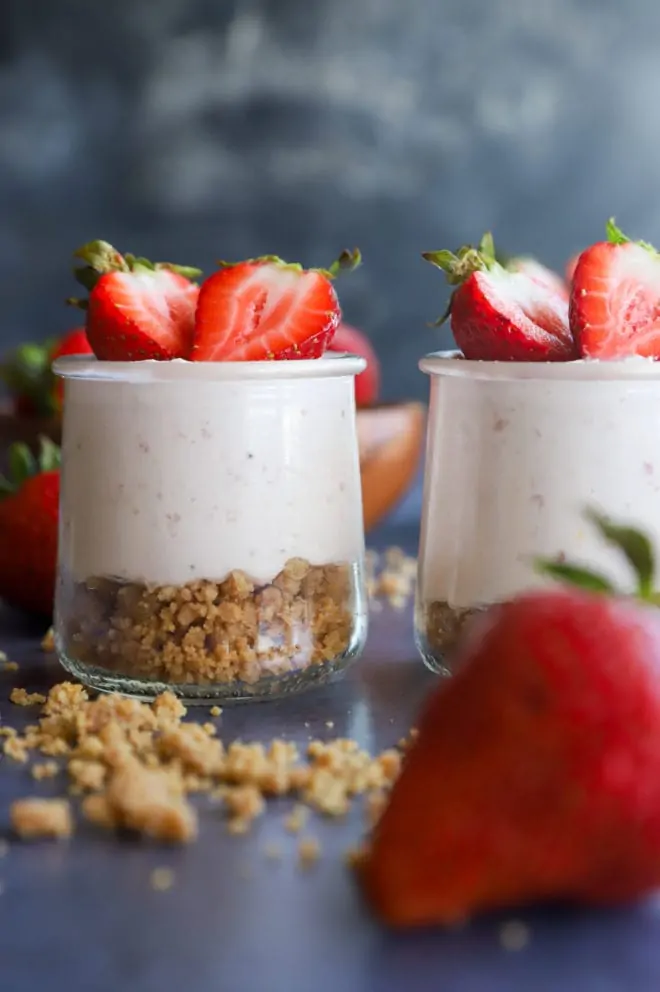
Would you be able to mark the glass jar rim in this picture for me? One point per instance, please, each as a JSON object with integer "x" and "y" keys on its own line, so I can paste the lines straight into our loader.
{"x": 331, "y": 365}
{"x": 452, "y": 363}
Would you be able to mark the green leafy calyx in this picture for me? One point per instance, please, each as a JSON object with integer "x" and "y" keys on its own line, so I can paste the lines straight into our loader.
{"x": 347, "y": 261}
{"x": 458, "y": 266}
{"x": 24, "y": 465}
{"x": 630, "y": 542}
{"x": 27, "y": 373}
{"x": 100, "y": 258}
{"x": 615, "y": 236}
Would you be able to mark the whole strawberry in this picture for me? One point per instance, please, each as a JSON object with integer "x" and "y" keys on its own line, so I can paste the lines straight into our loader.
{"x": 615, "y": 298}
{"x": 137, "y": 309}
{"x": 500, "y": 315}
{"x": 27, "y": 372}
{"x": 29, "y": 502}
{"x": 265, "y": 309}
{"x": 536, "y": 772}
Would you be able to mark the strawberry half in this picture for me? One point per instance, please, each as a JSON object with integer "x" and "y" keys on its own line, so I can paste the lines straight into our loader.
{"x": 498, "y": 315}
{"x": 266, "y": 309}
{"x": 136, "y": 309}
{"x": 615, "y": 299}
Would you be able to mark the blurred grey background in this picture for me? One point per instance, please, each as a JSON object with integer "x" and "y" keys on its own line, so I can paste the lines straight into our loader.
{"x": 191, "y": 130}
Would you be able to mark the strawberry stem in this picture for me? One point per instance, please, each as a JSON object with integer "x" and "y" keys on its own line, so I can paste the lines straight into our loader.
{"x": 348, "y": 261}
{"x": 100, "y": 258}
{"x": 632, "y": 543}
{"x": 458, "y": 266}
{"x": 615, "y": 236}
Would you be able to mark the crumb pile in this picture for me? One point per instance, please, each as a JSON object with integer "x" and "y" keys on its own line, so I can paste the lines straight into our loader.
{"x": 135, "y": 766}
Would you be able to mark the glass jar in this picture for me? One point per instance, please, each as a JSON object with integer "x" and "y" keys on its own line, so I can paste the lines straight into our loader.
{"x": 211, "y": 537}
{"x": 515, "y": 453}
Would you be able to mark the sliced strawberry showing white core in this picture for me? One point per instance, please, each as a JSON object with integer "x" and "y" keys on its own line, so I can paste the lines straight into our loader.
{"x": 615, "y": 305}
{"x": 265, "y": 309}
{"x": 539, "y": 274}
{"x": 500, "y": 315}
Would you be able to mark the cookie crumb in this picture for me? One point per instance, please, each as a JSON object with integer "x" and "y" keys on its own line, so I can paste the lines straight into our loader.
{"x": 48, "y": 641}
{"x": 215, "y": 711}
{"x": 21, "y": 697}
{"x": 514, "y": 935}
{"x": 162, "y": 879}
{"x": 309, "y": 852}
{"x": 34, "y": 818}
{"x": 296, "y": 819}
{"x": 9, "y": 666}
{"x": 329, "y": 724}
{"x": 45, "y": 769}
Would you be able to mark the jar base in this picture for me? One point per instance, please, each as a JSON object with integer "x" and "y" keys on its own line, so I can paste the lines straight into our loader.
{"x": 146, "y": 690}
{"x": 438, "y": 630}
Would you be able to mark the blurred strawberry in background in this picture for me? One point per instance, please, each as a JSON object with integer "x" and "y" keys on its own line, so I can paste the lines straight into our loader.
{"x": 27, "y": 373}
{"x": 367, "y": 384}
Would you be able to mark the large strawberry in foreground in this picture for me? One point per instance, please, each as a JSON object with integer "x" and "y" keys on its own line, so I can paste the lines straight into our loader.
{"x": 29, "y": 500}
{"x": 615, "y": 298}
{"x": 265, "y": 309}
{"x": 27, "y": 373}
{"x": 500, "y": 315}
{"x": 137, "y": 309}
{"x": 536, "y": 772}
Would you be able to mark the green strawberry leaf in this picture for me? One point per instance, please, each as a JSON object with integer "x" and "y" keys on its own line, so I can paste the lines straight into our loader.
{"x": 49, "y": 455}
{"x": 634, "y": 545}
{"x": 574, "y": 575}
{"x": 614, "y": 234}
{"x": 22, "y": 464}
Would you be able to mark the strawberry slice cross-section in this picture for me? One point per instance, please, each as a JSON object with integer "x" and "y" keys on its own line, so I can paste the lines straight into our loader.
{"x": 265, "y": 309}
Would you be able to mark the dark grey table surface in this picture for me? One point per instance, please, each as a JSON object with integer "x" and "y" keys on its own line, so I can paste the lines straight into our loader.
{"x": 83, "y": 917}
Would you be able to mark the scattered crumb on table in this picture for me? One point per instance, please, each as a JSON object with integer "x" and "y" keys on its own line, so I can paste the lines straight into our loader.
{"x": 35, "y": 818}
{"x": 514, "y": 935}
{"x": 45, "y": 769}
{"x": 21, "y": 697}
{"x": 162, "y": 879}
{"x": 309, "y": 852}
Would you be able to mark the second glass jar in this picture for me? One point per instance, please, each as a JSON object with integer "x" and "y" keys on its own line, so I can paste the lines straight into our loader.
{"x": 211, "y": 536}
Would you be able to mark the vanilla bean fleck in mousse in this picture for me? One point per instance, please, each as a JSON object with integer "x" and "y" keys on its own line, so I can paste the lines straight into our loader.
{"x": 211, "y": 536}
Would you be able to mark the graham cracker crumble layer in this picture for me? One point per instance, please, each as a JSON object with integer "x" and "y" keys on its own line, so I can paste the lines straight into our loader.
{"x": 136, "y": 765}
{"x": 440, "y": 626}
{"x": 216, "y": 633}
{"x": 390, "y": 578}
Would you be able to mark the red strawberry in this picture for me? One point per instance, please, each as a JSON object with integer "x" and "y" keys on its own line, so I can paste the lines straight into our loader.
{"x": 265, "y": 308}
{"x": 136, "y": 310}
{"x": 539, "y": 273}
{"x": 367, "y": 383}
{"x": 536, "y": 772}
{"x": 28, "y": 528}
{"x": 28, "y": 374}
{"x": 615, "y": 299}
{"x": 497, "y": 315}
